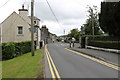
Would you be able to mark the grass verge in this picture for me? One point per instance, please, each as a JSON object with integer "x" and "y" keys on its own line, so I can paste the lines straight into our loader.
{"x": 25, "y": 66}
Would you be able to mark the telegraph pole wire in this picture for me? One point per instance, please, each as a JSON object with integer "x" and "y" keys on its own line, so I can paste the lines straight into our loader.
{"x": 53, "y": 12}
{"x": 4, "y": 3}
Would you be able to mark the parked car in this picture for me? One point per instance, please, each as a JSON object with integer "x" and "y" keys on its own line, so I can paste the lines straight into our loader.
{"x": 62, "y": 41}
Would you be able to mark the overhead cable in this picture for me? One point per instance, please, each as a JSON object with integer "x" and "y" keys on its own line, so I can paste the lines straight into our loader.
{"x": 4, "y": 3}
{"x": 53, "y": 12}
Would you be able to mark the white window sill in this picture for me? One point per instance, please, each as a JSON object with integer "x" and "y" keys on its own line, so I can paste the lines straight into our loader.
{"x": 20, "y": 35}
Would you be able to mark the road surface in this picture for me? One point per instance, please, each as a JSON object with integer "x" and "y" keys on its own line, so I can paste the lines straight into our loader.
{"x": 61, "y": 62}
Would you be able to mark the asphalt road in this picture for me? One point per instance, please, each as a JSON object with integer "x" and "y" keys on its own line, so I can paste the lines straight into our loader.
{"x": 107, "y": 56}
{"x": 71, "y": 65}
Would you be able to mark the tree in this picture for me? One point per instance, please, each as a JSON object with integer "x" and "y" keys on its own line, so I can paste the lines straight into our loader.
{"x": 92, "y": 22}
{"x": 74, "y": 33}
{"x": 110, "y": 18}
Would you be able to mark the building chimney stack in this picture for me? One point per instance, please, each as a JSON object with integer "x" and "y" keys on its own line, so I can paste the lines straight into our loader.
{"x": 23, "y": 12}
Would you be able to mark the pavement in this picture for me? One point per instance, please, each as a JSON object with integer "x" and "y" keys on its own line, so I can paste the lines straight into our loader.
{"x": 108, "y": 55}
{"x": 104, "y": 49}
{"x": 71, "y": 65}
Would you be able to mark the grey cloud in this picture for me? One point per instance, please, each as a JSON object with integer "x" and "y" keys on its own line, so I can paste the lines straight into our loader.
{"x": 70, "y": 13}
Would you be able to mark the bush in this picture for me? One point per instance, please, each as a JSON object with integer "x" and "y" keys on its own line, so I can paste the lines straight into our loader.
{"x": 8, "y": 50}
{"x": 14, "y": 49}
{"x": 105, "y": 42}
{"x": 94, "y": 36}
{"x": 22, "y": 47}
{"x": 83, "y": 39}
{"x": 59, "y": 39}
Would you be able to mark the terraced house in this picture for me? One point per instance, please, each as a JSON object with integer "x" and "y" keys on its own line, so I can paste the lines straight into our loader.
{"x": 17, "y": 28}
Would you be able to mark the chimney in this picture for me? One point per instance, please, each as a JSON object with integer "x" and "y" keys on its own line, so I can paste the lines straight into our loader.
{"x": 23, "y": 12}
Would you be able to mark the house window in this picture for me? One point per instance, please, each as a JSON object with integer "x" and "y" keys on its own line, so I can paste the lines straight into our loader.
{"x": 20, "y": 30}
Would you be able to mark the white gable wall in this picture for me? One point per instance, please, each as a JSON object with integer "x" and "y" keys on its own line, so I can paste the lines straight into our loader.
{"x": 9, "y": 29}
{"x": 26, "y": 31}
{"x": 24, "y": 15}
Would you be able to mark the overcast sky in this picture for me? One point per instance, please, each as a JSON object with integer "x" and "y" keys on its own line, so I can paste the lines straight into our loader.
{"x": 70, "y": 13}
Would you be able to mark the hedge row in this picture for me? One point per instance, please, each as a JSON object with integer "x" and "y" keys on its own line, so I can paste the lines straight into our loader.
{"x": 14, "y": 49}
{"x": 105, "y": 44}
{"x": 93, "y": 36}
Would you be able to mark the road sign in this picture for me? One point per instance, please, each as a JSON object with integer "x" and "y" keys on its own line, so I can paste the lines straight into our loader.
{"x": 42, "y": 36}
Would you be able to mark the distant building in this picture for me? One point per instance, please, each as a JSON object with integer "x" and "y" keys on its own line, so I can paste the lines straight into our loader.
{"x": 44, "y": 33}
{"x": 52, "y": 37}
{"x": 17, "y": 28}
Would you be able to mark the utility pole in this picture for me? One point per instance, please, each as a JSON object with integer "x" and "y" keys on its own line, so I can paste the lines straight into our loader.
{"x": 92, "y": 24}
{"x": 32, "y": 27}
{"x": 64, "y": 34}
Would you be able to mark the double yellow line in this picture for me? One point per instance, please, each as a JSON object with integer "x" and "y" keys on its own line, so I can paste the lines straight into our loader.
{"x": 53, "y": 69}
{"x": 96, "y": 60}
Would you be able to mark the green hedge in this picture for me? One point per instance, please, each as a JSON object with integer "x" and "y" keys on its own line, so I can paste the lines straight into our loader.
{"x": 93, "y": 36}
{"x": 8, "y": 50}
{"x": 109, "y": 42}
{"x": 105, "y": 44}
{"x": 14, "y": 49}
{"x": 59, "y": 39}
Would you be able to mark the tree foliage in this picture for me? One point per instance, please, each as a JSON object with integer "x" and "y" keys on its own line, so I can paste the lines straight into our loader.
{"x": 110, "y": 18}
{"x": 14, "y": 49}
{"x": 92, "y": 19}
{"x": 74, "y": 33}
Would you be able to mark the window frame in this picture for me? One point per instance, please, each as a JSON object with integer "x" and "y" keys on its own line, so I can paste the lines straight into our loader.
{"x": 19, "y": 32}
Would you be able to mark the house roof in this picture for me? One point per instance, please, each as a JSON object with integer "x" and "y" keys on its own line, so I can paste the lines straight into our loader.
{"x": 17, "y": 15}
{"x": 35, "y": 18}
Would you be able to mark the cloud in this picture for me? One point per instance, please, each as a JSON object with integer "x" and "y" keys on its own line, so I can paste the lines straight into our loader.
{"x": 9, "y": 7}
{"x": 70, "y": 13}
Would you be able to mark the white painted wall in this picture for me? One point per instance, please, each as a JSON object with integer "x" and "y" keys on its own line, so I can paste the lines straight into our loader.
{"x": 9, "y": 28}
{"x": 10, "y": 31}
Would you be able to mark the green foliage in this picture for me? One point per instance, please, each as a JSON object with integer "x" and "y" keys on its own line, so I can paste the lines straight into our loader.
{"x": 93, "y": 36}
{"x": 105, "y": 44}
{"x": 13, "y": 49}
{"x": 106, "y": 41}
{"x": 110, "y": 18}
{"x": 22, "y": 47}
{"x": 59, "y": 39}
{"x": 74, "y": 33}
{"x": 91, "y": 22}
{"x": 8, "y": 50}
